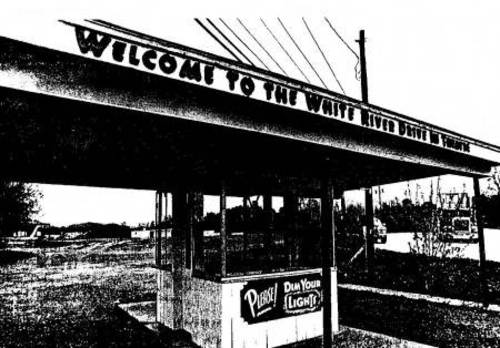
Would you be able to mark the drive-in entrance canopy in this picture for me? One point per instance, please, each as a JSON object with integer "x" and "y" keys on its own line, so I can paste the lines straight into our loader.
{"x": 106, "y": 106}
{"x": 168, "y": 59}
{"x": 252, "y": 118}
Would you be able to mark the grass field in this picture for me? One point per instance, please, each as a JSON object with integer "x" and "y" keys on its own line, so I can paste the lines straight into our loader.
{"x": 64, "y": 297}
{"x": 446, "y": 277}
{"x": 49, "y": 302}
{"x": 433, "y": 324}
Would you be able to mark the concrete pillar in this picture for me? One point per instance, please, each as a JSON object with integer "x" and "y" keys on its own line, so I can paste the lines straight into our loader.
{"x": 483, "y": 280}
{"x": 328, "y": 264}
{"x": 180, "y": 229}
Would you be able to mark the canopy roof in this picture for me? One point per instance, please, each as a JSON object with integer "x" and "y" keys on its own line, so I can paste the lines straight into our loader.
{"x": 122, "y": 109}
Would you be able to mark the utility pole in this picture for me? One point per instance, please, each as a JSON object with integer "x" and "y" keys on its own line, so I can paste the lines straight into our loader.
{"x": 369, "y": 247}
{"x": 362, "y": 62}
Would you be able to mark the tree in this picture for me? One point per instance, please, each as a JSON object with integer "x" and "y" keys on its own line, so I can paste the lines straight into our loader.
{"x": 494, "y": 182}
{"x": 19, "y": 202}
{"x": 490, "y": 200}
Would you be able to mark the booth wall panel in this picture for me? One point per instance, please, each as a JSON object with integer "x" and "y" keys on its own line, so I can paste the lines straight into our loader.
{"x": 165, "y": 295}
{"x": 212, "y": 315}
{"x": 202, "y": 311}
{"x": 236, "y": 332}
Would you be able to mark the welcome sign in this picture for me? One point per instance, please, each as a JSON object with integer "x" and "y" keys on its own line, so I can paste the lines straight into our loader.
{"x": 271, "y": 299}
{"x": 149, "y": 56}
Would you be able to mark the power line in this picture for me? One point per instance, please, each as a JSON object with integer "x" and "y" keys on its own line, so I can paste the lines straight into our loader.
{"x": 217, "y": 39}
{"x": 284, "y": 50}
{"x": 356, "y": 67}
{"x": 228, "y": 40}
{"x": 303, "y": 55}
{"x": 341, "y": 38}
{"x": 255, "y": 39}
{"x": 244, "y": 44}
{"x": 323, "y": 54}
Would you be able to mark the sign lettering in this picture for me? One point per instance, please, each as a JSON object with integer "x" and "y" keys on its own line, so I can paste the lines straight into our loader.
{"x": 161, "y": 61}
{"x": 272, "y": 299}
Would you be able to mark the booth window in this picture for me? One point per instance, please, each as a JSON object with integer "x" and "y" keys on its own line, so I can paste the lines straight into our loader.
{"x": 224, "y": 236}
{"x": 263, "y": 234}
{"x": 162, "y": 231}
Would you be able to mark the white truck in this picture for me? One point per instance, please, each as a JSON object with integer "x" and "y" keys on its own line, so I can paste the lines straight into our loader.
{"x": 457, "y": 221}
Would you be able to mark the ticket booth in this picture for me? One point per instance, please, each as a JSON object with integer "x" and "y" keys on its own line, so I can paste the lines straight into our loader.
{"x": 250, "y": 273}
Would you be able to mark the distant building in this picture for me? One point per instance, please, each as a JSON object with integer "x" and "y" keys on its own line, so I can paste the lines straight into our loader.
{"x": 142, "y": 234}
{"x": 33, "y": 230}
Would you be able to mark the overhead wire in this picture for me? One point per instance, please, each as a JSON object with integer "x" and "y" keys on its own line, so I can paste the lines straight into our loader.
{"x": 341, "y": 38}
{"x": 356, "y": 67}
{"x": 303, "y": 55}
{"x": 284, "y": 50}
{"x": 275, "y": 38}
{"x": 244, "y": 43}
{"x": 261, "y": 46}
{"x": 323, "y": 55}
{"x": 230, "y": 42}
{"x": 217, "y": 39}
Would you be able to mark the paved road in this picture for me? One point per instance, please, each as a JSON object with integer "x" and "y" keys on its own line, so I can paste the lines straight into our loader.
{"x": 399, "y": 242}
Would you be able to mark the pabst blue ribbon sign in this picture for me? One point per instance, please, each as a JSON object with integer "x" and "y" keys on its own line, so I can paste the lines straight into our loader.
{"x": 276, "y": 298}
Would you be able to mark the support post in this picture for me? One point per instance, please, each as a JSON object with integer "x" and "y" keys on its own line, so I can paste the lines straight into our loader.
{"x": 328, "y": 264}
{"x": 195, "y": 214}
{"x": 223, "y": 231}
{"x": 483, "y": 281}
{"x": 268, "y": 210}
{"x": 342, "y": 206}
{"x": 180, "y": 229}
{"x": 196, "y": 232}
{"x": 189, "y": 241}
{"x": 268, "y": 213}
{"x": 158, "y": 236}
{"x": 291, "y": 207}
{"x": 165, "y": 206}
{"x": 370, "y": 248}
{"x": 246, "y": 219}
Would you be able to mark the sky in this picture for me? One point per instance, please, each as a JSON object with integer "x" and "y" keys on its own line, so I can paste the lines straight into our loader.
{"x": 436, "y": 61}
